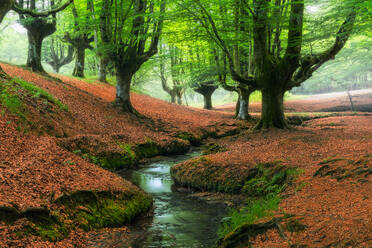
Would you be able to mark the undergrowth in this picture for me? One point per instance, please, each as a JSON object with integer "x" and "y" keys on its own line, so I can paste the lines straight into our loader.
{"x": 263, "y": 196}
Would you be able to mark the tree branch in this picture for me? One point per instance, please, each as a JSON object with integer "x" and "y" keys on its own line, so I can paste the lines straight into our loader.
{"x": 310, "y": 63}
{"x": 22, "y": 11}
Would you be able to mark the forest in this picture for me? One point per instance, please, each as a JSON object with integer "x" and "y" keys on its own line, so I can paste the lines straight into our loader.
{"x": 185, "y": 123}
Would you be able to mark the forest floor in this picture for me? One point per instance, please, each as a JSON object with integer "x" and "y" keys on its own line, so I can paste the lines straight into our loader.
{"x": 50, "y": 152}
{"x": 328, "y": 102}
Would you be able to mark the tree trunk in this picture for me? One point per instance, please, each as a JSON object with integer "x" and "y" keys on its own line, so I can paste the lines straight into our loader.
{"x": 35, "y": 41}
{"x": 5, "y": 6}
{"x": 272, "y": 109}
{"x": 237, "y": 107}
{"x": 102, "y": 73}
{"x": 207, "y": 101}
{"x": 173, "y": 98}
{"x": 351, "y": 101}
{"x": 79, "y": 63}
{"x": 243, "y": 113}
{"x": 123, "y": 83}
{"x": 56, "y": 68}
{"x": 179, "y": 99}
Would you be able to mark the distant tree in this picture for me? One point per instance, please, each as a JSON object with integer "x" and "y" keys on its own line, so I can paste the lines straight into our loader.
{"x": 80, "y": 37}
{"x": 58, "y": 54}
{"x": 127, "y": 45}
{"x": 6, "y": 5}
{"x": 206, "y": 89}
{"x": 38, "y": 28}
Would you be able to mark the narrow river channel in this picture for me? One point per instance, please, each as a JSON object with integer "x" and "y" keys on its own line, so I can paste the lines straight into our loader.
{"x": 179, "y": 220}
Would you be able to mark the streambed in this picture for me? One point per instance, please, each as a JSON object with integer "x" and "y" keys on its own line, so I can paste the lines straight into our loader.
{"x": 179, "y": 220}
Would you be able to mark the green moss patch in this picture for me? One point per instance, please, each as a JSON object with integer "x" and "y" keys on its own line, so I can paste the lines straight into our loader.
{"x": 263, "y": 197}
{"x": 92, "y": 210}
{"x": 19, "y": 97}
{"x": 84, "y": 209}
{"x": 193, "y": 139}
{"x": 270, "y": 178}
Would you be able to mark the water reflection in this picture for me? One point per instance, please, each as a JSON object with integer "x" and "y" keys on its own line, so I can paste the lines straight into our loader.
{"x": 179, "y": 221}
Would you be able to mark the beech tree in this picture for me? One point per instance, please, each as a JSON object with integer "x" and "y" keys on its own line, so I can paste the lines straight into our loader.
{"x": 57, "y": 56}
{"x": 7, "y": 5}
{"x": 38, "y": 27}
{"x": 130, "y": 32}
{"x": 277, "y": 68}
{"x": 80, "y": 37}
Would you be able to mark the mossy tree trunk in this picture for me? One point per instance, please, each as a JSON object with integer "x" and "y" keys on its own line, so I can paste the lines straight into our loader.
{"x": 37, "y": 30}
{"x": 130, "y": 50}
{"x": 79, "y": 62}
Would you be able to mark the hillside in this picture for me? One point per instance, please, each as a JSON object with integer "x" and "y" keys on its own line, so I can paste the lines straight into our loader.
{"x": 62, "y": 140}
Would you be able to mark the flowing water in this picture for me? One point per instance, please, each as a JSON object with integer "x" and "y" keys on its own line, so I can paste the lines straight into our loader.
{"x": 179, "y": 220}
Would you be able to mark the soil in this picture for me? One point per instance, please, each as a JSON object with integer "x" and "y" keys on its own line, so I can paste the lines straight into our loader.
{"x": 331, "y": 197}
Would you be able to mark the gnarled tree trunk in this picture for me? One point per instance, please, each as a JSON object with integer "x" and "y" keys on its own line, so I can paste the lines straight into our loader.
{"x": 206, "y": 90}
{"x": 272, "y": 108}
{"x": 37, "y": 30}
{"x": 125, "y": 71}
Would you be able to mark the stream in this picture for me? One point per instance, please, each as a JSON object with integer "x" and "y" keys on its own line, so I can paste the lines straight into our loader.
{"x": 179, "y": 220}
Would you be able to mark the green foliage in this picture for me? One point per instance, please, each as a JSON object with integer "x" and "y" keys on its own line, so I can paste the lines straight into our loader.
{"x": 110, "y": 212}
{"x": 263, "y": 192}
{"x": 271, "y": 178}
{"x": 253, "y": 210}
{"x": 48, "y": 227}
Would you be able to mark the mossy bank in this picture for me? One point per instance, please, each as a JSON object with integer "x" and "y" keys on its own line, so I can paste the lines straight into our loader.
{"x": 87, "y": 210}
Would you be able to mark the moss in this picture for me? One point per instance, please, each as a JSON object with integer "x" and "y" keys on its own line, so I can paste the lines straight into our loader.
{"x": 270, "y": 178}
{"x": 193, "y": 139}
{"x": 147, "y": 150}
{"x": 85, "y": 209}
{"x": 213, "y": 148}
{"x": 127, "y": 157}
{"x": 92, "y": 210}
{"x": 46, "y": 225}
{"x": 16, "y": 95}
{"x": 263, "y": 197}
